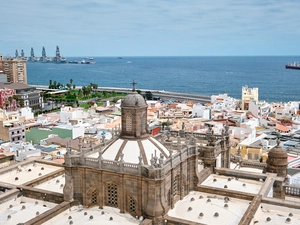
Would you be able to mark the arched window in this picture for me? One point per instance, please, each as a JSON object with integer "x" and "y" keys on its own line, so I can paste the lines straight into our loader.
{"x": 112, "y": 195}
{"x": 94, "y": 197}
{"x": 132, "y": 206}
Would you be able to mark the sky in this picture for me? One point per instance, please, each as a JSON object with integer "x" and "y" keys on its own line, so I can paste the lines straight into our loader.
{"x": 151, "y": 28}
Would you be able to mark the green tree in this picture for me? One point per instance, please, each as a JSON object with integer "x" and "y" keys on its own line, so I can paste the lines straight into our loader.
{"x": 17, "y": 98}
{"x": 74, "y": 86}
{"x": 6, "y": 104}
{"x": 71, "y": 81}
{"x": 21, "y": 103}
{"x": 148, "y": 95}
{"x": 10, "y": 99}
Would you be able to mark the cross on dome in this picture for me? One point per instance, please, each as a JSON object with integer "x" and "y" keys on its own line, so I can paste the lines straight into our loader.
{"x": 133, "y": 85}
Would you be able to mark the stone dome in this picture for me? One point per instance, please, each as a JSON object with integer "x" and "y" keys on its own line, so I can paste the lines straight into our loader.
{"x": 277, "y": 160}
{"x": 133, "y": 99}
{"x": 277, "y": 152}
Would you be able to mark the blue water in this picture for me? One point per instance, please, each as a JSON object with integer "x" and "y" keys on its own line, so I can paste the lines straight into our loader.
{"x": 198, "y": 75}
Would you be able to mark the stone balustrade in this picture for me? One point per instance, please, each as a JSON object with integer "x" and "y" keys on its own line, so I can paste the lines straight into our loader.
{"x": 292, "y": 190}
{"x": 156, "y": 171}
{"x": 253, "y": 164}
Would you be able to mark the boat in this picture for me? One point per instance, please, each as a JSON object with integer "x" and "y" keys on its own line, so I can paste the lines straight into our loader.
{"x": 293, "y": 65}
{"x": 89, "y": 58}
{"x": 86, "y": 62}
{"x": 73, "y": 62}
{"x": 58, "y": 58}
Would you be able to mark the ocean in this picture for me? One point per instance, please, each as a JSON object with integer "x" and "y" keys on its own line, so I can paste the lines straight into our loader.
{"x": 196, "y": 75}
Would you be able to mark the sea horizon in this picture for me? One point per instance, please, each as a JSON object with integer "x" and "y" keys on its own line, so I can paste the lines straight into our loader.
{"x": 203, "y": 75}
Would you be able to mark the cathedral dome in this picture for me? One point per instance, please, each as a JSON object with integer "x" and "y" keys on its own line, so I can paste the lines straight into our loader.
{"x": 133, "y": 99}
{"x": 277, "y": 152}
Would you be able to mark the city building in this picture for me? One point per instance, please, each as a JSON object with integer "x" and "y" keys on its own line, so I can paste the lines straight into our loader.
{"x": 29, "y": 96}
{"x": 8, "y": 100}
{"x": 247, "y": 95}
{"x": 15, "y": 69}
{"x": 11, "y": 129}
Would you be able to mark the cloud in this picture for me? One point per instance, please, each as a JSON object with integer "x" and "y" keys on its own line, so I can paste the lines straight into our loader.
{"x": 171, "y": 23}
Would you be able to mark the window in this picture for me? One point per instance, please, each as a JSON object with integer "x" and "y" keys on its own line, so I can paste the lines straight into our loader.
{"x": 94, "y": 197}
{"x": 144, "y": 122}
{"x": 132, "y": 205}
{"x": 176, "y": 186}
{"x": 249, "y": 156}
{"x": 112, "y": 195}
{"x": 128, "y": 123}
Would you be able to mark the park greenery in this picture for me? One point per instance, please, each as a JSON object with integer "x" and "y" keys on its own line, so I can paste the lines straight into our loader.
{"x": 85, "y": 97}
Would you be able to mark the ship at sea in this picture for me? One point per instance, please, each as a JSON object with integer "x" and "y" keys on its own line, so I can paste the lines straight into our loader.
{"x": 293, "y": 65}
{"x": 32, "y": 57}
{"x": 44, "y": 57}
{"x": 58, "y": 58}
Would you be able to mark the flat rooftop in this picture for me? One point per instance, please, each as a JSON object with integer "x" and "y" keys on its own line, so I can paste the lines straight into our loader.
{"x": 207, "y": 208}
{"x": 22, "y": 209}
{"x": 93, "y": 216}
{"x": 26, "y": 173}
{"x": 56, "y": 184}
{"x": 233, "y": 183}
{"x": 276, "y": 215}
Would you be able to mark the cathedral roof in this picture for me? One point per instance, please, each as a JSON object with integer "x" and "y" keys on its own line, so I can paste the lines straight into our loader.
{"x": 134, "y": 151}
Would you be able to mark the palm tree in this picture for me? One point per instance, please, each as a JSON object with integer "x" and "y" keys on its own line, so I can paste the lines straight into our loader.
{"x": 10, "y": 99}
{"x": 21, "y": 103}
{"x": 16, "y": 98}
{"x": 74, "y": 86}
{"x": 6, "y": 104}
{"x": 71, "y": 81}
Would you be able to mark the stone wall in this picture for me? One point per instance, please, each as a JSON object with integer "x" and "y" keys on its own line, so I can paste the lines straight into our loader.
{"x": 40, "y": 219}
{"x": 252, "y": 208}
{"x": 43, "y": 195}
{"x": 176, "y": 221}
